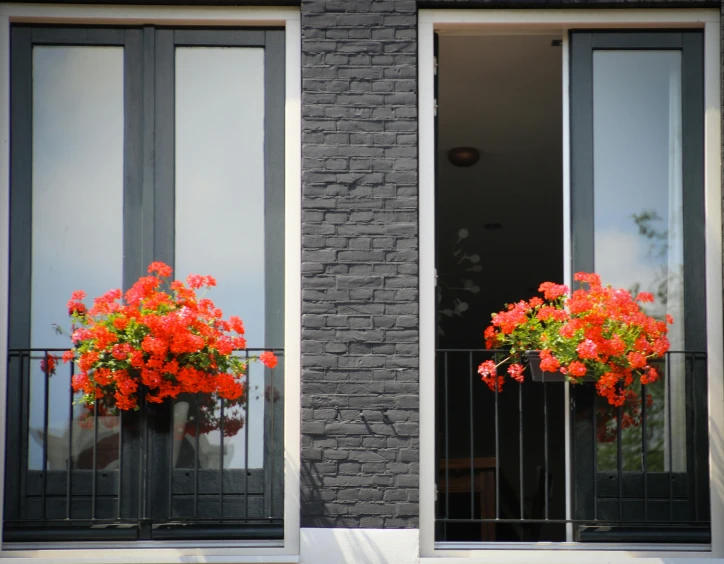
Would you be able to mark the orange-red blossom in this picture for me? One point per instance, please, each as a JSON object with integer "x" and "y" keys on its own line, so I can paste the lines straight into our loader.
{"x": 170, "y": 342}
{"x": 598, "y": 331}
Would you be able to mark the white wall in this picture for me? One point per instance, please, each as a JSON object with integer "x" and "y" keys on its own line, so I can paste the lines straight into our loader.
{"x": 360, "y": 546}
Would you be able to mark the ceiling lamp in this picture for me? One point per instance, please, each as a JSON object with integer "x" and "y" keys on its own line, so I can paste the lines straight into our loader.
{"x": 463, "y": 156}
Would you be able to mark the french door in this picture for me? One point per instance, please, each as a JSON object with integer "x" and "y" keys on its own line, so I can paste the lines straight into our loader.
{"x": 131, "y": 145}
{"x": 543, "y": 461}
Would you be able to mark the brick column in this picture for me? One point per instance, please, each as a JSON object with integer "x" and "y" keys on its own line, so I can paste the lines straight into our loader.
{"x": 360, "y": 431}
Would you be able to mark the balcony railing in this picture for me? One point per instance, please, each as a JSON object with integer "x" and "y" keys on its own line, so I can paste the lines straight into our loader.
{"x": 549, "y": 462}
{"x": 187, "y": 469}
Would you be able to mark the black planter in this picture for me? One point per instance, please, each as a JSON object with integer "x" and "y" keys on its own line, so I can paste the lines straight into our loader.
{"x": 537, "y": 375}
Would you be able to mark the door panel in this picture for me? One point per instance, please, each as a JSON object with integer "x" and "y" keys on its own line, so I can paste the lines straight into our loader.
{"x": 637, "y": 220}
{"x": 117, "y": 160}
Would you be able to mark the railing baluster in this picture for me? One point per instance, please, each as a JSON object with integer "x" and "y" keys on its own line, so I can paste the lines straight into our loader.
{"x": 497, "y": 447}
{"x": 472, "y": 440}
{"x": 594, "y": 455}
{"x": 46, "y": 416}
{"x": 120, "y": 465}
{"x": 94, "y": 485}
{"x": 447, "y": 445}
{"x": 619, "y": 460}
{"x": 221, "y": 460}
{"x": 670, "y": 433}
{"x": 247, "y": 406}
{"x": 520, "y": 449}
{"x": 689, "y": 360}
{"x": 23, "y": 460}
{"x": 196, "y": 459}
{"x": 143, "y": 466}
{"x": 272, "y": 448}
{"x": 644, "y": 453}
{"x": 171, "y": 464}
{"x": 545, "y": 448}
{"x": 69, "y": 464}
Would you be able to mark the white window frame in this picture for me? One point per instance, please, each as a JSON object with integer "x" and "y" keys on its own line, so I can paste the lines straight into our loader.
{"x": 286, "y": 551}
{"x": 472, "y": 22}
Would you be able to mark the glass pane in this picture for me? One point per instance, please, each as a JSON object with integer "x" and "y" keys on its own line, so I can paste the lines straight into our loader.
{"x": 77, "y": 229}
{"x": 638, "y": 222}
{"x": 220, "y": 212}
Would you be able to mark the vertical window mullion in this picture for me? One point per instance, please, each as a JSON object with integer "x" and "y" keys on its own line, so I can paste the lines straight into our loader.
{"x": 694, "y": 232}
{"x": 159, "y": 232}
{"x": 274, "y": 259}
{"x": 581, "y": 86}
{"x": 134, "y": 157}
{"x": 129, "y": 479}
{"x": 20, "y": 264}
{"x": 164, "y": 117}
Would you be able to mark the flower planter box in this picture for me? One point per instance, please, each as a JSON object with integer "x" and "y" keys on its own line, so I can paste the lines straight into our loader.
{"x": 537, "y": 375}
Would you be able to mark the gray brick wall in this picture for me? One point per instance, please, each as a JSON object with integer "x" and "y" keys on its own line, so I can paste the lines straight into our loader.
{"x": 359, "y": 252}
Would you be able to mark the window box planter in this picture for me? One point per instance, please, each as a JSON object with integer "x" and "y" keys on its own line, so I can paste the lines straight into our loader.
{"x": 537, "y": 375}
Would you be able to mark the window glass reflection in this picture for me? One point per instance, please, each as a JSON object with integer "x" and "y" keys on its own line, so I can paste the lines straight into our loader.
{"x": 638, "y": 222}
{"x": 77, "y": 228}
{"x": 220, "y": 227}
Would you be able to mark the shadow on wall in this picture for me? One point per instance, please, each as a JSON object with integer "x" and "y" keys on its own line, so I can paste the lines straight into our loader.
{"x": 359, "y": 546}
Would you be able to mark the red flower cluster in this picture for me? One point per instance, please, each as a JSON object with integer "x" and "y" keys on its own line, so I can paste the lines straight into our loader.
{"x": 598, "y": 331}
{"x": 209, "y": 416}
{"x": 607, "y": 417}
{"x": 48, "y": 364}
{"x": 169, "y": 342}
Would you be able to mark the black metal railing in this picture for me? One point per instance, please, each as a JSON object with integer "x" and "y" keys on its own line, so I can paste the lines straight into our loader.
{"x": 175, "y": 470}
{"x": 533, "y": 462}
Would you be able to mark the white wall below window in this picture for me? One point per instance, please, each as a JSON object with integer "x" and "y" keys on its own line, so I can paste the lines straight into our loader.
{"x": 360, "y": 546}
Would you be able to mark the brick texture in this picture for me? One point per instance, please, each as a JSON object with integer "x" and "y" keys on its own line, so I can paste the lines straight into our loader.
{"x": 359, "y": 251}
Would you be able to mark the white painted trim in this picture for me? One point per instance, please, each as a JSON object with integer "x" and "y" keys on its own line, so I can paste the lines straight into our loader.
{"x": 567, "y": 254}
{"x": 159, "y": 15}
{"x": 288, "y": 551}
{"x": 292, "y": 284}
{"x": 426, "y": 213}
{"x": 567, "y": 19}
{"x": 714, "y": 328}
{"x": 485, "y": 21}
{"x": 4, "y": 230}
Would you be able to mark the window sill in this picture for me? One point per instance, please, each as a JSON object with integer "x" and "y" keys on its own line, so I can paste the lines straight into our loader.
{"x": 593, "y": 547}
{"x": 151, "y": 552}
{"x": 564, "y": 553}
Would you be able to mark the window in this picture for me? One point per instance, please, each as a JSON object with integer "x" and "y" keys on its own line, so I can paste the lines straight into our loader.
{"x": 626, "y": 196}
{"x": 131, "y": 145}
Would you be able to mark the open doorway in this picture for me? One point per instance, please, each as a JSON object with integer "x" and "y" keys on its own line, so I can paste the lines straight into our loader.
{"x": 499, "y": 234}
{"x": 512, "y": 466}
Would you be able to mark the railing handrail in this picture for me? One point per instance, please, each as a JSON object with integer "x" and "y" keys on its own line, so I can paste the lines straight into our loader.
{"x": 506, "y": 351}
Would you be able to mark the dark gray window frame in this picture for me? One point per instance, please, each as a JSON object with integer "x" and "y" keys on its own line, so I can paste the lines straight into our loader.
{"x": 690, "y": 43}
{"x": 149, "y": 147}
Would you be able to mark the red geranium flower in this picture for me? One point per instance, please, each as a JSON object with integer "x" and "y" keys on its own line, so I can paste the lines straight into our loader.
{"x": 598, "y": 331}
{"x": 171, "y": 342}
